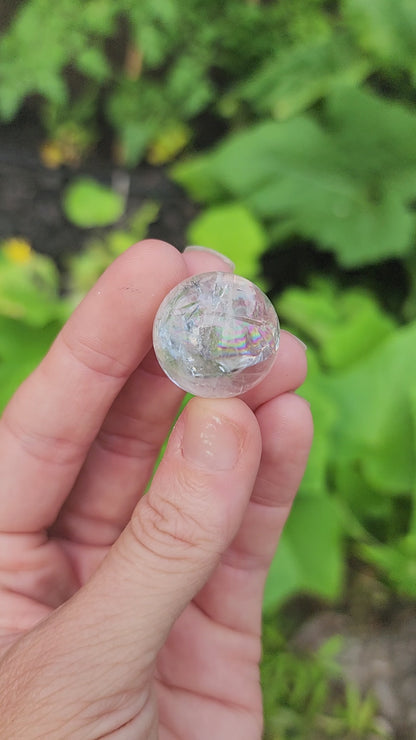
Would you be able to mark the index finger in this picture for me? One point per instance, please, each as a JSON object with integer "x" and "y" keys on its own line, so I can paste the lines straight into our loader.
{"x": 50, "y": 423}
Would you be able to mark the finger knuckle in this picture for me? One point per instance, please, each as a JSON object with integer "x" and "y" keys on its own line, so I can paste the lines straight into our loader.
{"x": 90, "y": 353}
{"x": 169, "y": 531}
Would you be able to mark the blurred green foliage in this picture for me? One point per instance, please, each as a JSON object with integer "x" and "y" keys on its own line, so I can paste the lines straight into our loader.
{"x": 89, "y": 204}
{"x": 35, "y": 302}
{"x": 31, "y": 313}
{"x": 333, "y": 162}
{"x": 360, "y": 482}
{"x": 168, "y": 63}
{"x": 346, "y": 181}
{"x": 232, "y": 229}
{"x": 149, "y": 67}
{"x": 300, "y": 701}
{"x": 310, "y": 109}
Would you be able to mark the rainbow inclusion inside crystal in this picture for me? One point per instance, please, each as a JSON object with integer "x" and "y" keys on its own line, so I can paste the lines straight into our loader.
{"x": 216, "y": 335}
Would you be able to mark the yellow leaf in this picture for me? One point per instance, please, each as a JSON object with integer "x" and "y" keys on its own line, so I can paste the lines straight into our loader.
{"x": 168, "y": 144}
{"x": 51, "y": 154}
{"x": 17, "y": 250}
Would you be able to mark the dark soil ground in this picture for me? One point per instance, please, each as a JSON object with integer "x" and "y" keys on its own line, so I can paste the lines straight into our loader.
{"x": 31, "y": 194}
{"x": 379, "y": 657}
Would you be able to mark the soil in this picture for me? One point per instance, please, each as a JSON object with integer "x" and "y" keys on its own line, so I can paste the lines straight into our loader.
{"x": 379, "y": 659}
{"x": 31, "y": 195}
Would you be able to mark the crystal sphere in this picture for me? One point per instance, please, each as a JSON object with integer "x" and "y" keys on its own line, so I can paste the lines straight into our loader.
{"x": 216, "y": 335}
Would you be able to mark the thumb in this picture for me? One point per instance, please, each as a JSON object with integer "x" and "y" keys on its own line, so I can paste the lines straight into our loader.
{"x": 103, "y": 642}
{"x": 189, "y": 516}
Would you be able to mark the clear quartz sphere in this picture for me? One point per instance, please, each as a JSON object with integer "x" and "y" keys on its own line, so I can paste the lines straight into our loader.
{"x": 216, "y": 335}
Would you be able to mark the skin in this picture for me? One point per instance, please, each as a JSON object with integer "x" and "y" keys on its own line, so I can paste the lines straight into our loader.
{"x": 128, "y": 616}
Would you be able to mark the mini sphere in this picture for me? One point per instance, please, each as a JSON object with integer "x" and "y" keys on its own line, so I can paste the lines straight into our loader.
{"x": 216, "y": 335}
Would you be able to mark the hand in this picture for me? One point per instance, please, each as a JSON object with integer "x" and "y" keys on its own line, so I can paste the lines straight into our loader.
{"x": 130, "y": 616}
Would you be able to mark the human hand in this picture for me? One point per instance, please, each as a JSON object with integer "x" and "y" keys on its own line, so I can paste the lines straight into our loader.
{"x": 135, "y": 617}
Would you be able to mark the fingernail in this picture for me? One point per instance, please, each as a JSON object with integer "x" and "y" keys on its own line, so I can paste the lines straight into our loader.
{"x": 211, "y": 442}
{"x": 225, "y": 259}
{"x": 305, "y": 346}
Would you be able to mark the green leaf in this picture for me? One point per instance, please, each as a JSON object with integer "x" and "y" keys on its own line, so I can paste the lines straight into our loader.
{"x": 29, "y": 291}
{"x": 385, "y": 29}
{"x": 346, "y": 325}
{"x": 375, "y": 138}
{"x": 367, "y": 509}
{"x": 295, "y": 79}
{"x": 63, "y": 38}
{"x": 324, "y": 412}
{"x": 375, "y": 428}
{"x": 88, "y": 204}
{"x": 188, "y": 85}
{"x": 363, "y": 404}
{"x": 137, "y": 110}
{"x": 348, "y": 185}
{"x": 412, "y": 523}
{"x": 196, "y": 175}
{"x": 92, "y": 62}
{"x": 309, "y": 558}
{"x": 140, "y": 221}
{"x": 233, "y": 230}
{"x": 153, "y": 25}
{"x": 397, "y": 562}
{"x": 85, "y": 267}
{"x": 21, "y": 349}
{"x": 409, "y": 308}
{"x": 98, "y": 16}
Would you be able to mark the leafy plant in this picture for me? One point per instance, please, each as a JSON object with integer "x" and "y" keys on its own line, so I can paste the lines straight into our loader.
{"x": 32, "y": 306}
{"x": 341, "y": 176}
{"x": 296, "y": 687}
{"x": 72, "y": 36}
{"x": 347, "y": 184}
{"x": 233, "y": 230}
{"x": 84, "y": 268}
{"x": 89, "y": 204}
{"x": 298, "y": 76}
{"x": 306, "y": 697}
{"x": 386, "y": 31}
{"x": 240, "y": 61}
{"x": 173, "y": 62}
{"x": 31, "y": 312}
{"x": 28, "y": 285}
{"x": 361, "y": 478}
